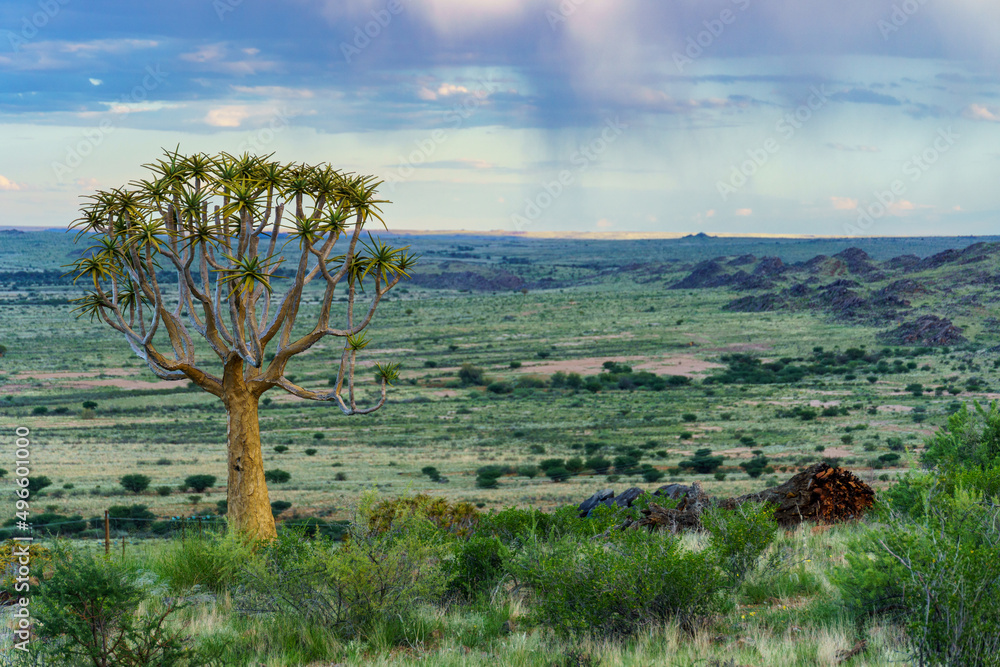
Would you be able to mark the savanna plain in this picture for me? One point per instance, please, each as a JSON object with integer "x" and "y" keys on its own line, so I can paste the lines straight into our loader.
{"x": 444, "y": 529}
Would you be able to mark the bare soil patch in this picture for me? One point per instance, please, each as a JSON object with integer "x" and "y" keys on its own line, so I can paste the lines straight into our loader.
{"x": 677, "y": 365}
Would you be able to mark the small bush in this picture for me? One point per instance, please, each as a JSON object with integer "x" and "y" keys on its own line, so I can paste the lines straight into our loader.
{"x": 739, "y": 537}
{"x": 281, "y": 449}
{"x": 277, "y": 476}
{"x": 499, "y": 387}
{"x": 487, "y": 476}
{"x": 135, "y": 483}
{"x": 589, "y": 587}
{"x": 552, "y": 463}
{"x": 310, "y": 452}
{"x": 163, "y": 490}
{"x": 599, "y": 464}
{"x": 652, "y": 475}
{"x": 199, "y": 483}
{"x": 702, "y": 462}
{"x": 529, "y": 471}
{"x": 755, "y": 466}
{"x": 206, "y": 560}
{"x": 279, "y": 506}
{"x": 470, "y": 375}
{"x": 939, "y": 577}
{"x": 36, "y": 484}
{"x": 379, "y": 573}
{"x": 92, "y": 610}
{"x": 558, "y": 474}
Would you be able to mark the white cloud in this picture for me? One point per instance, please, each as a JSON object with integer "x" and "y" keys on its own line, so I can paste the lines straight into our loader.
{"x": 844, "y": 203}
{"x": 272, "y": 92}
{"x": 228, "y": 116}
{"x": 95, "y": 82}
{"x": 214, "y": 58}
{"x": 138, "y": 107}
{"x": 743, "y": 212}
{"x": 858, "y": 148}
{"x": 982, "y": 112}
{"x": 7, "y": 184}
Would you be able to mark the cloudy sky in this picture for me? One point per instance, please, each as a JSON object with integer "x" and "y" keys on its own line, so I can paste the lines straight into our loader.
{"x": 855, "y": 117}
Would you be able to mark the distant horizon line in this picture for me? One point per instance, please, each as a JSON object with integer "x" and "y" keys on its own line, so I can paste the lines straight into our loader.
{"x": 602, "y": 236}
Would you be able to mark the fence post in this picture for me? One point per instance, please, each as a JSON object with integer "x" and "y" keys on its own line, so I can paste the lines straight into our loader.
{"x": 123, "y": 547}
{"x": 107, "y": 534}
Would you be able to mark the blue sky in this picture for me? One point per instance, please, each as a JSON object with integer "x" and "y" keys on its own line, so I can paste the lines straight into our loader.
{"x": 856, "y": 117}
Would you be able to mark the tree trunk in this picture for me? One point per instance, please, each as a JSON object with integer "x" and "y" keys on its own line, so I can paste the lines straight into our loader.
{"x": 249, "y": 506}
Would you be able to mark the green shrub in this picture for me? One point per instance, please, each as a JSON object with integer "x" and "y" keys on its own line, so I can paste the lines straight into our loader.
{"x": 558, "y": 474}
{"x": 470, "y": 375}
{"x": 199, "y": 483}
{"x": 739, "y": 537}
{"x": 689, "y": 417}
{"x": 755, "y": 466}
{"x": 652, "y": 475}
{"x": 279, "y": 506}
{"x": 599, "y": 464}
{"x": 36, "y": 484}
{"x": 277, "y": 476}
{"x": 971, "y": 438}
{"x": 481, "y": 561}
{"x": 487, "y": 476}
{"x": 575, "y": 465}
{"x": 311, "y": 451}
{"x": 381, "y": 572}
{"x": 552, "y": 463}
{"x": 702, "y": 462}
{"x": 499, "y": 387}
{"x": 626, "y": 464}
{"x": 939, "y": 577}
{"x": 530, "y": 382}
{"x": 529, "y": 471}
{"x": 135, "y": 483}
{"x": 206, "y": 560}
{"x": 617, "y": 587}
{"x": 92, "y": 610}
{"x": 163, "y": 490}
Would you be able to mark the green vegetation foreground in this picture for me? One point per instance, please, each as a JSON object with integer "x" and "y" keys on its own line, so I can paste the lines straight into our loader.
{"x": 421, "y": 580}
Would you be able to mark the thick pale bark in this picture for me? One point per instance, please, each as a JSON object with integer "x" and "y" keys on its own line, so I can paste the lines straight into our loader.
{"x": 249, "y": 506}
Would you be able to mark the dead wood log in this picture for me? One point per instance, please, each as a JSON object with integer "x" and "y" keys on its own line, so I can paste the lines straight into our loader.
{"x": 821, "y": 493}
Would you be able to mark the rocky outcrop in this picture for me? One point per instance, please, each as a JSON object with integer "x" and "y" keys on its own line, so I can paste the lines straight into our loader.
{"x": 929, "y": 330}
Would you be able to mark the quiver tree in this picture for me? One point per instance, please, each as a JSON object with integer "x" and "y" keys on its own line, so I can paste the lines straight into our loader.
{"x": 199, "y": 248}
